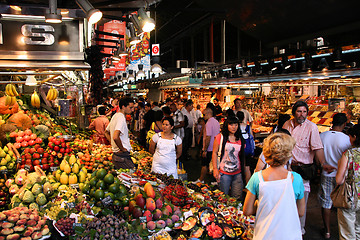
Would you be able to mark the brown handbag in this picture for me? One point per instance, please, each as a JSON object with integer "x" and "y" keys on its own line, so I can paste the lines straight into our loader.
{"x": 345, "y": 195}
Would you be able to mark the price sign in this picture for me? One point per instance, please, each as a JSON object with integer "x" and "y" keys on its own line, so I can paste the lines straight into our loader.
{"x": 225, "y": 213}
{"x": 107, "y": 201}
{"x": 5, "y": 171}
{"x": 77, "y": 225}
{"x": 27, "y": 167}
{"x": 53, "y": 169}
{"x": 76, "y": 185}
{"x": 18, "y": 160}
{"x": 70, "y": 204}
{"x": 142, "y": 219}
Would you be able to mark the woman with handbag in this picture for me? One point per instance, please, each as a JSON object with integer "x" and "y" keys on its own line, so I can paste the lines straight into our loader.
{"x": 166, "y": 147}
{"x": 228, "y": 159}
{"x": 348, "y": 176}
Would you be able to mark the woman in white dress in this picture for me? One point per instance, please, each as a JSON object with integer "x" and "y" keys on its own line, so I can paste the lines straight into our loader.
{"x": 166, "y": 147}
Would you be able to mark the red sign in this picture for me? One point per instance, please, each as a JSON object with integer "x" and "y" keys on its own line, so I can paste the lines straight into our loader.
{"x": 155, "y": 49}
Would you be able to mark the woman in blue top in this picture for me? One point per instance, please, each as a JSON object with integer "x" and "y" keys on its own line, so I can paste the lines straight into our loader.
{"x": 280, "y": 193}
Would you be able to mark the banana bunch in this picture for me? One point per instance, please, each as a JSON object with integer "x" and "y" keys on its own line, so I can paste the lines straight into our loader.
{"x": 9, "y": 101}
{"x": 52, "y": 94}
{"x": 11, "y": 90}
{"x": 35, "y": 100}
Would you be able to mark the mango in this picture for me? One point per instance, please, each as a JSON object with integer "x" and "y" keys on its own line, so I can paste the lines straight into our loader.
{"x": 150, "y": 204}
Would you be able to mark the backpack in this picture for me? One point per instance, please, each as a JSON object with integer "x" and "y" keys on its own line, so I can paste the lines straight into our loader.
{"x": 249, "y": 142}
{"x": 150, "y": 133}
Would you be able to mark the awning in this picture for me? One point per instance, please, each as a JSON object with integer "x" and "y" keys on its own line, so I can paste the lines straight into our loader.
{"x": 44, "y": 65}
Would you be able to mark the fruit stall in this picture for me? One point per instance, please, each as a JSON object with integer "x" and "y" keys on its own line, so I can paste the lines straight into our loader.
{"x": 52, "y": 186}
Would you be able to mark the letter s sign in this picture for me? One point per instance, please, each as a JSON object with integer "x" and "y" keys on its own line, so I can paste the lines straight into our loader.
{"x": 38, "y": 34}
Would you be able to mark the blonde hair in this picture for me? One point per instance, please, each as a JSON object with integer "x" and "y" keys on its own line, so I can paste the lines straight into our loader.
{"x": 277, "y": 149}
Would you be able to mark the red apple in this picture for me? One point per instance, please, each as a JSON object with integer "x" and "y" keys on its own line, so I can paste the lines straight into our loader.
{"x": 62, "y": 150}
{"x": 24, "y": 144}
{"x": 45, "y": 167}
{"x": 51, "y": 145}
{"x": 52, "y": 165}
{"x": 20, "y": 133}
{"x": 51, "y": 139}
{"x": 36, "y": 146}
{"x": 68, "y": 150}
{"x": 28, "y": 162}
{"x": 40, "y": 150}
{"x": 26, "y": 138}
{"x": 33, "y": 136}
{"x": 57, "y": 142}
{"x": 46, "y": 155}
{"x": 62, "y": 140}
{"x": 27, "y": 156}
{"x": 31, "y": 142}
{"x": 63, "y": 145}
{"x": 13, "y": 134}
{"x": 36, "y": 155}
{"x": 17, "y": 145}
{"x": 36, "y": 162}
{"x": 44, "y": 161}
{"x": 38, "y": 140}
{"x": 56, "y": 149}
{"x": 32, "y": 150}
{"x": 28, "y": 132}
{"x": 19, "y": 139}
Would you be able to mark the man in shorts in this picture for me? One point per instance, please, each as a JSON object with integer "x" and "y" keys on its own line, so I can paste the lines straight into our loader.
{"x": 335, "y": 143}
{"x": 212, "y": 128}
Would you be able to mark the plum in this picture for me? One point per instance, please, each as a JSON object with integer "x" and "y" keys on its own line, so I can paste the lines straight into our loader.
{"x": 178, "y": 212}
{"x": 151, "y": 225}
{"x": 175, "y": 218}
{"x": 168, "y": 222}
{"x": 157, "y": 214}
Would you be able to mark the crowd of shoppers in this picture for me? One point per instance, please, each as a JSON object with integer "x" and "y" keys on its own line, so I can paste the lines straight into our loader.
{"x": 282, "y": 176}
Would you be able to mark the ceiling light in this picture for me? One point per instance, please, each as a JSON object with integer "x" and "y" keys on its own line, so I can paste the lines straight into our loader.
{"x": 135, "y": 20}
{"x": 147, "y": 24}
{"x": 156, "y": 68}
{"x": 141, "y": 72}
{"x": 16, "y": 8}
{"x": 64, "y": 11}
{"x": 93, "y": 15}
{"x": 53, "y": 16}
{"x": 31, "y": 80}
{"x": 131, "y": 76}
{"x": 133, "y": 38}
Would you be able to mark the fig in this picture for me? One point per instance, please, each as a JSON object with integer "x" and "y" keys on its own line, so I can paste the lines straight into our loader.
{"x": 7, "y": 231}
{"x": 160, "y": 224}
{"x": 151, "y": 225}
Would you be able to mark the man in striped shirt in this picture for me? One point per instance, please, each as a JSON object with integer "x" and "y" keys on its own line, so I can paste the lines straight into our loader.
{"x": 308, "y": 145}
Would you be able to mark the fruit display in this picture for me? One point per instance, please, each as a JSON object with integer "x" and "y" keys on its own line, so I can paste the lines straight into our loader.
{"x": 30, "y": 189}
{"x": 24, "y": 223}
{"x": 71, "y": 171}
{"x": 8, "y": 160}
{"x": 65, "y": 226}
{"x": 81, "y": 144}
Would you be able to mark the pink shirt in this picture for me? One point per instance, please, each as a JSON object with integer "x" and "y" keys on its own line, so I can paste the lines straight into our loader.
{"x": 307, "y": 139}
{"x": 230, "y": 162}
{"x": 99, "y": 124}
{"x": 212, "y": 128}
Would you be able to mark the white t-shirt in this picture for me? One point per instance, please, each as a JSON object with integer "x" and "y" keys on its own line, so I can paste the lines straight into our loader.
{"x": 118, "y": 122}
{"x": 335, "y": 143}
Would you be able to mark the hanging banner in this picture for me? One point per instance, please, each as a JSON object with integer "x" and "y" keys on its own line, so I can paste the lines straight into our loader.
{"x": 140, "y": 53}
{"x": 116, "y": 27}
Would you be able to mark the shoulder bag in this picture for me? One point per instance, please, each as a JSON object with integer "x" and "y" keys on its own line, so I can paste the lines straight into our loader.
{"x": 345, "y": 195}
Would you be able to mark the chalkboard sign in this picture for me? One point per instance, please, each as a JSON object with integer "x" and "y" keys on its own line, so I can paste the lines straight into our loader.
{"x": 77, "y": 225}
{"x": 76, "y": 185}
{"x": 5, "y": 171}
{"x": 107, "y": 201}
{"x": 27, "y": 167}
{"x": 70, "y": 204}
{"x": 142, "y": 219}
{"x": 53, "y": 169}
{"x": 18, "y": 160}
